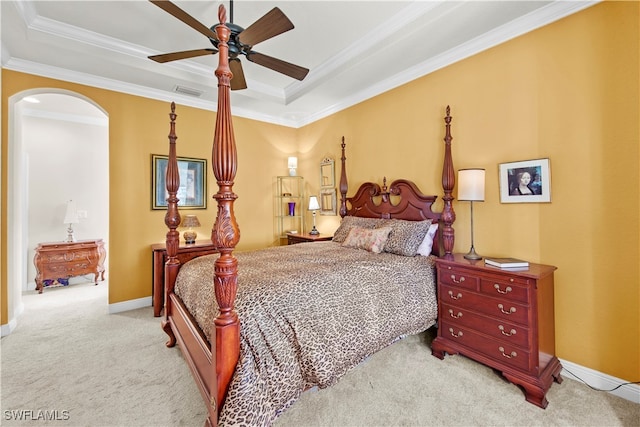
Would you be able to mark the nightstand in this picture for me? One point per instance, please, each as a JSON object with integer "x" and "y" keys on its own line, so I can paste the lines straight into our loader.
{"x": 185, "y": 253}
{"x": 501, "y": 318}
{"x": 293, "y": 238}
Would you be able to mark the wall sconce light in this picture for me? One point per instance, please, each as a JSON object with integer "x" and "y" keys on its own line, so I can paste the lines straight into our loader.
{"x": 292, "y": 163}
{"x": 314, "y": 206}
{"x": 471, "y": 189}
{"x": 71, "y": 217}
{"x": 190, "y": 222}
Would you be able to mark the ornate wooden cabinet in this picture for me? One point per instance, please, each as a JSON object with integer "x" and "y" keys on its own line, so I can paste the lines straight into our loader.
{"x": 67, "y": 259}
{"x": 501, "y": 318}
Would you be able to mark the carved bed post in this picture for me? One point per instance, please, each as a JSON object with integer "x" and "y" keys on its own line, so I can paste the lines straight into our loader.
{"x": 225, "y": 233}
{"x": 172, "y": 220}
{"x": 344, "y": 187}
{"x": 448, "y": 182}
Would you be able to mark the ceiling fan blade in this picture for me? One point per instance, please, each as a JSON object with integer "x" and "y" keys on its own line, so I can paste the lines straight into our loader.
{"x": 174, "y": 10}
{"x": 237, "y": 82}
{"x": 271, "y": 24}
{"x": 278, "y": 65}
{"x": 166, "y": 57}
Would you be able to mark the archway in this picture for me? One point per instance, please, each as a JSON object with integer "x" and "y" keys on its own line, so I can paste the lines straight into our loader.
{"x": 57, "y": 150}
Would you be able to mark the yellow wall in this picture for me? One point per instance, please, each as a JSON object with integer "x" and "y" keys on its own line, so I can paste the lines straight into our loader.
{"x": 133, "y": 137}
{"x": 568, "y": 92}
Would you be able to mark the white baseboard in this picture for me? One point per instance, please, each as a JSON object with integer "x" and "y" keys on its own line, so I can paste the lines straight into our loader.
{"x": 7, "y": 328}
{"x": 602, "y": 381}
{"x": 132, "y": 304}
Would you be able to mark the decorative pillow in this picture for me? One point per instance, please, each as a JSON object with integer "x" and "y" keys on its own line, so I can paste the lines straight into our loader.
{"x": 427, "y": 244}
{"x": 371, "y": 239}
{"x": 348, "y": 222}
{"x": 406, "y": 236}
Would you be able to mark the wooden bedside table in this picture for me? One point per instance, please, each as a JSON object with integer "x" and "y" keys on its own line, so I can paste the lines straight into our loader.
{"x": 293, "y": 238}
{"x": 185, "y": 253}
{"x": 501, "y": 318}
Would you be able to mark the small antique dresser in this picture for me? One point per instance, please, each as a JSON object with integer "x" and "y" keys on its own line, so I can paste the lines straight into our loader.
{"x": 58, "y": 260}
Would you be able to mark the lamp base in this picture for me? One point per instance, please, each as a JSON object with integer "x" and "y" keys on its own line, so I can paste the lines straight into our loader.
{"x": 314, "y": 231}
{"x": 190, "y": 237}
{"x": 70, "y": 237}
{"x": 472, "y": 254}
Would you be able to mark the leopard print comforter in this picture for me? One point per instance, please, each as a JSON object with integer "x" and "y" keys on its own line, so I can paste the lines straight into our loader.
{"x": 309, "y": 313}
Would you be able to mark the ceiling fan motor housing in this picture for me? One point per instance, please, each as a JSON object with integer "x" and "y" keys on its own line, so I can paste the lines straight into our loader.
{"x": 235, "y": 46}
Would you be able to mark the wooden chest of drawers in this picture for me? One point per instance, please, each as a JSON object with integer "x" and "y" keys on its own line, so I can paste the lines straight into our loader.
{"x": 67, "y": 259}
{"x": 503, "y": 319}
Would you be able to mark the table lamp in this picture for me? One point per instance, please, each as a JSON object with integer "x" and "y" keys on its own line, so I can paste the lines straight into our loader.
{"x": 71, "y": 217}
{"x": 471, "y": 189}
{"x": 190, "y": 222}
{"x": 314, "y": 206}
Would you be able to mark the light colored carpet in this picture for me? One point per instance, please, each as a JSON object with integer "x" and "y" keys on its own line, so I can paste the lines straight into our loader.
{"x": 69, "y": 355}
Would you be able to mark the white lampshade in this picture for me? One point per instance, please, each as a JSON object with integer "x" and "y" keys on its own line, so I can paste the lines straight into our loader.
{"x": 313, "y": 203}
{"x": 71, "y": 216}
{"x": 471, "y": 185}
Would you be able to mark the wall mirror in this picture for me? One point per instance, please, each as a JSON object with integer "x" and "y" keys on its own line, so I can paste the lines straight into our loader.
{"x": 328, "y": 197}
{"x": 328, "y": 201}
{"x": 327, "y": 173}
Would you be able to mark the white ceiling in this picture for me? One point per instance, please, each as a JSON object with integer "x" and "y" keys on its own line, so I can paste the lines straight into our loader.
{"x": 354, "y": 49}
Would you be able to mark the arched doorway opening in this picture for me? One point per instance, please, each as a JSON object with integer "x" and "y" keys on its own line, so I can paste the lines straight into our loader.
{"x": 57, "y": 151}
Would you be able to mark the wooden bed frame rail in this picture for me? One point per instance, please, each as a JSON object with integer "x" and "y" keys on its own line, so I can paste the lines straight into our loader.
{"x": 214, "y": 367}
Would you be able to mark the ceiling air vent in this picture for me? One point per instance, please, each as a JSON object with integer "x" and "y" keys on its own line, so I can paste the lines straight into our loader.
{"x": 188, "y": 91}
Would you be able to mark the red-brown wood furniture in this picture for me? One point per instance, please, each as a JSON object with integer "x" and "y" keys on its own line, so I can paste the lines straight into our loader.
{"x": 185, "y": 253}
{"x": 213, "y": 364}
{"x": 293, "y": 238}
{"x": 58, "y": 260}
{"x": 502, "y": 318}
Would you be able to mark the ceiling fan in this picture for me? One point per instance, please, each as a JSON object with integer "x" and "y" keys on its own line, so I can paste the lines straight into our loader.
{"x": 241, "y": 42}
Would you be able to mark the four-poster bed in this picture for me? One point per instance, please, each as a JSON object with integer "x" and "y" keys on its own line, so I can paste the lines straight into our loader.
{"x": 296, "y": 319}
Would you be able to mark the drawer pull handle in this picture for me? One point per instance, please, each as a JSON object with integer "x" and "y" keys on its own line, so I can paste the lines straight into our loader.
{"x": 455, "y": 316}
{"x": 454, "y": 280}
{"x": 511, "y": 310}
{"x": 455, "y": 296}
{"x": 508, "y": 334}
{"x": 508, "y": 356}
{"x": 453, "y": 334}
{"x": 500, "y": 291}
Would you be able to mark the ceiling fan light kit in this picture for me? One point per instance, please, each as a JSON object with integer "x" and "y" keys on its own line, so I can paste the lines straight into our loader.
{"x": 241, "y": 42}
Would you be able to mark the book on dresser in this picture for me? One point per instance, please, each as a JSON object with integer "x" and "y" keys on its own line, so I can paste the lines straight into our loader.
{"x": 506, "y": 262}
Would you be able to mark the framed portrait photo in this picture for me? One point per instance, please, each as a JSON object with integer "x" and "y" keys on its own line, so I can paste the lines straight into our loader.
{"x": 527, "y": 181}
{"x": 193, "y": 182}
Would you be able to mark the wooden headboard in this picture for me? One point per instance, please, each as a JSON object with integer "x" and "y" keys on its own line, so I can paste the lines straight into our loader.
{"x": 403, "y": 200}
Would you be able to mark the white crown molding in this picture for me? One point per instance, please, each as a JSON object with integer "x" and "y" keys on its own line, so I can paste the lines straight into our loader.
{"x": 543, "y": 16}
{"x": 532, "y": 21}
{"x": 52, "y": 28}
{"x": 369, "y": 41}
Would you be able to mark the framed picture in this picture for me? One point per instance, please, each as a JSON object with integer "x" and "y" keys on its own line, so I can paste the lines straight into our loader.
{"x": 527, "y": 181}
{"x": 193, "y": 182}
